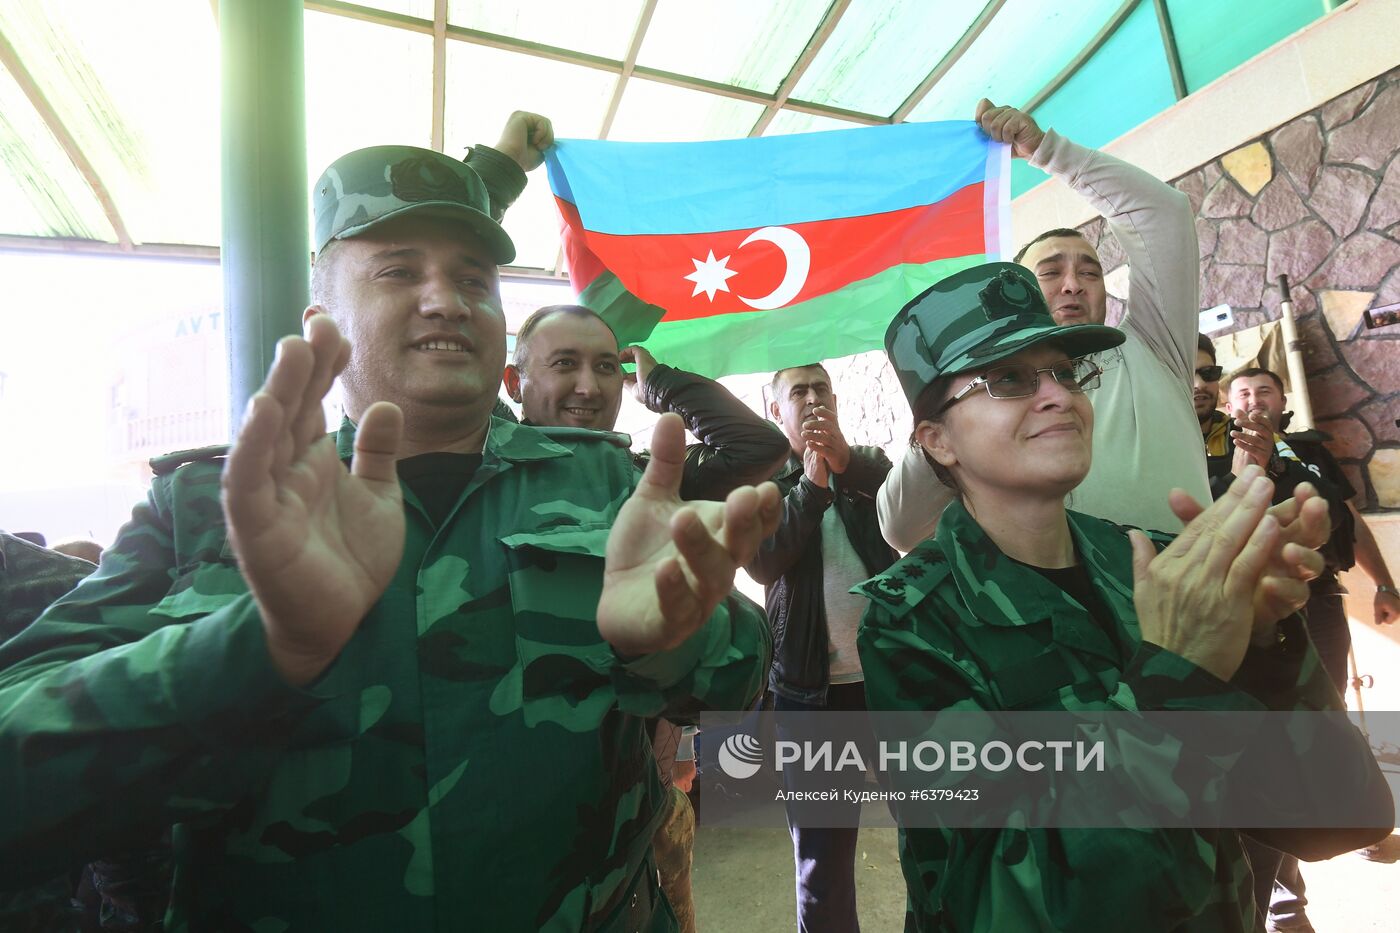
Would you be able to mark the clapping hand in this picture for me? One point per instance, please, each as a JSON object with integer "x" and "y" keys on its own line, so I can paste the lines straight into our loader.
{"x": 1236, "y": 569}
{"x": 317, "y": 544}
{"x": 1254, "y": 440}
{"x": 670, "y": 563}
{"x": 822, "y": 434}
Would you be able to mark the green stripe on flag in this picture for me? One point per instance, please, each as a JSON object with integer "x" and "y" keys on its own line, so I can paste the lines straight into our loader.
{"x": 841, "y": 323}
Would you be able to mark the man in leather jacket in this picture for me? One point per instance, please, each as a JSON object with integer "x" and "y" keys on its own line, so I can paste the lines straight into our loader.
{"x": 827, "y": 541}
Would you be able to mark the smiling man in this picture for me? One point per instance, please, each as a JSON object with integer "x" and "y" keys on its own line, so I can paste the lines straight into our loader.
{"x": 352, "y": 678}
{"x": 567, "y": 370}
{"x": 567, "y": 373}
{"x": 1146, "y": 440}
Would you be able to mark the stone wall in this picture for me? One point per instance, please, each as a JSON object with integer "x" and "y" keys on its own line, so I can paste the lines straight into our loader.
{"x": 1317, "y": 199}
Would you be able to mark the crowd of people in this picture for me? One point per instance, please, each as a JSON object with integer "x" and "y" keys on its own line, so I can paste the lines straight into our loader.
{"x": 436, "y": 669}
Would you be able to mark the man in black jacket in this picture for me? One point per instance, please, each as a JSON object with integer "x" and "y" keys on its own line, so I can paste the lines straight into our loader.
{"x": 828, "y": 540}
{"x": 1257, "y": 398}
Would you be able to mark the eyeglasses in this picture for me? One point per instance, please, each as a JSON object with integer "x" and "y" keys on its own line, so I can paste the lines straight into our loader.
{"x": 1210, "y": 373}
{"x": 1017, "y": 380}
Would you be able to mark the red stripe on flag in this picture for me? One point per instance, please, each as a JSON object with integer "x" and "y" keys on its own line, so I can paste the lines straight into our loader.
{"x": 654, "y": 268}
{"x": 584, "y": 267}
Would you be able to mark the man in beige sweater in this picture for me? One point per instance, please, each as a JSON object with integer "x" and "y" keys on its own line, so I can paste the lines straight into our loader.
{"x": 1146, "y": 436}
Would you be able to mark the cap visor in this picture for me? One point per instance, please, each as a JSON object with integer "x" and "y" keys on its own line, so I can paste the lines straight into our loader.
{"x": 1076, "y": 340}
{"x": 490, "y": 232}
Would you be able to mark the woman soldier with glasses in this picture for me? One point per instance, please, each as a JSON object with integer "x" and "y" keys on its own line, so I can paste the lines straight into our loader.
{"x": 1018, "y": 603}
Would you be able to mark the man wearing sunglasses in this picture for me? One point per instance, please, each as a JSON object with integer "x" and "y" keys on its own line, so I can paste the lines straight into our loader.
{"x": 1145, "y": 440}
{"x": 1205, "y": 396}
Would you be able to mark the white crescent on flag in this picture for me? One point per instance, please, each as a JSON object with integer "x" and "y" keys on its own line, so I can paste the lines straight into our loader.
{"x": 799, "y": 262}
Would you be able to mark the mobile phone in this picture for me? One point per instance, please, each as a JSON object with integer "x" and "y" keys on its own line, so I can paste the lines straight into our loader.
{"x": 1384, "y": 316}
{"x": 1213, "y": 319}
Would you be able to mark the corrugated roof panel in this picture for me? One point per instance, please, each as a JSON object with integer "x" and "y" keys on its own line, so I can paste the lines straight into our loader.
{"x": 1125, "y": 83}
{"x": 41, "y": 193}
{"x": 790, "y": 121}
{"x": 598, "y": 27}
{"x": 1025, "y": 45}
{"x": 161, "y": 172}
{"x": 365, "y": 86}
{"x": 1214, "y": 37}
{"x": 574, "y": 98}
{"x": 747, "y": 43}
{"x": 882, "y": 49}
{"x": 660, "y": 113}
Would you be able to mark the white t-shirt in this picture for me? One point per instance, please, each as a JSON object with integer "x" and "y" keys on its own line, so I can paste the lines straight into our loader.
{"x": 1146, "y": 436}
{"x": 841, "y": 569}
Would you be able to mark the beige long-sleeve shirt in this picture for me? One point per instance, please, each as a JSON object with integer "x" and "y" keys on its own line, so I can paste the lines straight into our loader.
{"x": 1146, "y": 436}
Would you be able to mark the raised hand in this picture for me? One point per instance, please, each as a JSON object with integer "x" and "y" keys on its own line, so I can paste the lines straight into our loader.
{"x": 1009, "y": 125}
{"x": 317, "y": 544}
{"x": 670, "y": 563}
{"x": 1304, "y": 526}
{"x": 1254, "y": 440}
{"x": 636, "y": 382}
{"x": 1197, "y": 597}
{"x": 814, "y": 468}
{"x": 525, "y": 137}
{"x": 822, "y": 433}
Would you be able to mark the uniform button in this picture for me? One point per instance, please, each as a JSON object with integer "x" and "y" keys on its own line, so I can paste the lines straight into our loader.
{"x": 634, "y": 898}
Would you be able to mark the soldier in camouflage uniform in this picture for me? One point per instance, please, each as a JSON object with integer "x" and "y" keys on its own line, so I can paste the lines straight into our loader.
{"x": 32, "y": 577}
{"x": 354, "y": 690}
{"x": 1019, "y": 604}
{"x": 567, "y": 372}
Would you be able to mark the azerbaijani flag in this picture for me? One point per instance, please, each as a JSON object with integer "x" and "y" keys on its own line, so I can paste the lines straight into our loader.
{"x": 750, "y": 255}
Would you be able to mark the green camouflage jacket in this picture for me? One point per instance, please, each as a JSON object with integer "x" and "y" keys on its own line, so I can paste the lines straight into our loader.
{"x": 475, "y": 759}
{"x": 31, "y": 577}
{"x": 956, "y": 625}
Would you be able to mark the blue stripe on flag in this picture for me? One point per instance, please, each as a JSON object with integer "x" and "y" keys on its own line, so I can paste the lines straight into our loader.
{"x": 737, "y": 184}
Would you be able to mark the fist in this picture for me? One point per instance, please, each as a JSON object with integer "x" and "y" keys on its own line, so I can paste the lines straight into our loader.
{"x": 525, "y": 138}
{"x": 1009, "y": 125}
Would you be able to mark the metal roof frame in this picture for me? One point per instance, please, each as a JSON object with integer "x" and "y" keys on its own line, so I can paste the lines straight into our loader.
{"x": 804, "y": 61}
{"x": 11, "y": 61}
{"x": 950, "y": 59}
{"x": 1164, "y": 23}
{"x": 1070, "y": 70}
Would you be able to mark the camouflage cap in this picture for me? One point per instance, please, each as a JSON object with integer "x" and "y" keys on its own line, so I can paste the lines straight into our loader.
{"x": 368, "y": 186}
{"x": 974, "y": 318}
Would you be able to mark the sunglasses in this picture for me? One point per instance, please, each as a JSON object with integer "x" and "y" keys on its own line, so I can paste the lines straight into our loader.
{"x": 1017, "y": 380}
{"x": 1210, "y": 373}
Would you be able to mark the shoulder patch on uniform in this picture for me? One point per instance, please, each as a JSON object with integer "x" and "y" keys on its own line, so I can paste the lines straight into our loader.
{"x": 565, "y": 435}
{"x": 169, "y": 463}
{"x": 905, "y": 584}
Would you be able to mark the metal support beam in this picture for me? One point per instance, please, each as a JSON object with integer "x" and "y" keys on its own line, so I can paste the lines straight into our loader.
{"x": 804, "y": 61}
{"x": 15, "y": 243}
{"x": 639, "y": 34}
{"x": 12, "y": 63}
{"x": 1086, "y": 53}
{"x": 1164, "y": 22}
{"x": 265, "y": 238}
{"x": 439, "y": 71}
{"x": 946, "y": 63}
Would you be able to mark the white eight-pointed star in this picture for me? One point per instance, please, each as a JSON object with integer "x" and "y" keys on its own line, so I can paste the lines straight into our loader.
{"x": 710, "y": 276}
